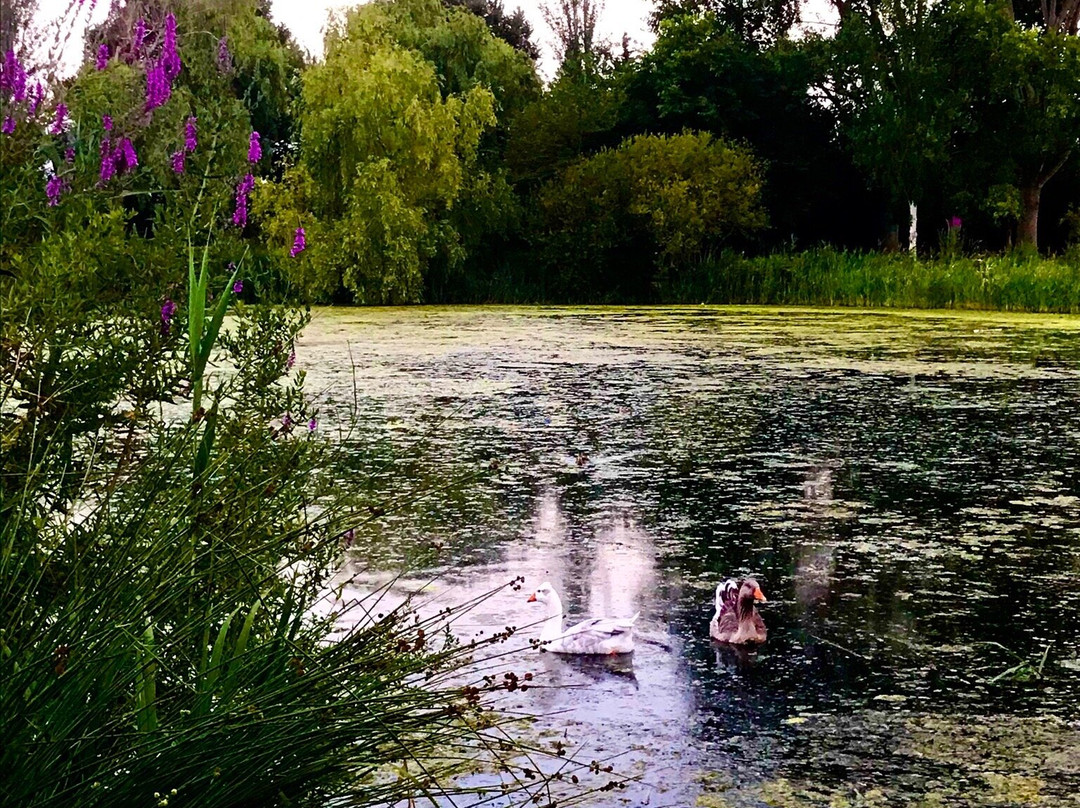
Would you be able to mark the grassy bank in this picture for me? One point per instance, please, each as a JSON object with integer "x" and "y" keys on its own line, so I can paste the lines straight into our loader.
{"x": 825, "y": 277}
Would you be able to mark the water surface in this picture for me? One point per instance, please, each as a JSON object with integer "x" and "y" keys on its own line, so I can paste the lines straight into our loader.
{"x": 905, "y": 486}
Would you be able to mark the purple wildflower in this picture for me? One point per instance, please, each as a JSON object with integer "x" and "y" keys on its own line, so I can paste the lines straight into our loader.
{"x": 299, "y": 243}
{"x": 349, "y": 536}
{"x": 238, "y": 287}
{"x": 190, "y": 135}
{"x": 254, "y": 148}
{"x": 286, "y": 422}
{"x": 168, "y": 309}
{"x": 170, "y": 59}
{"x": 224, "y": 58}
{"x": 8, "y": 127}
{"x": 242, "y": 191}
{"x": 37, "y": 95}
{"x": 177, "y": 159}
{"x": 13, "y": 77}
{"x": 69, "y": 155}
{"x": 59, "y": 121}
{"x": 158, "y": 88}
{"x": 140, "y": 36}
{"x": 102, "y": 56}
{"x": 106, "y": 122}
{"x": 53, "y": 188}
{"x": 108, "y": 162}
{"x": 291, "y": 360}
{"x": 956, "y": 223}
{"x": 8, "y": 69}
{"x": 312, "y": 425}
{"x": 126, "y": 154}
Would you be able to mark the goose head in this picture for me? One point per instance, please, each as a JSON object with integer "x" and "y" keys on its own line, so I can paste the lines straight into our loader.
{"x": 545, "y": 594}
{"x": 750, "y": 591}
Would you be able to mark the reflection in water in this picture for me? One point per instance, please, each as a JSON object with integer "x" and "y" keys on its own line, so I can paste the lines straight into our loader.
{"x": 903, "y": 486}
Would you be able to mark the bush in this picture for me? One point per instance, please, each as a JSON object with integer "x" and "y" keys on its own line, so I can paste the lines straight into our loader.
{"x": 615, "y": 221}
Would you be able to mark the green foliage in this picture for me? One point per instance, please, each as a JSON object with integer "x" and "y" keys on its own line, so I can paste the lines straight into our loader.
{"x": 761, "y": 22}
{"x": 576, "y": 117}
{"x": 701, "y": 74}
{"x": 660, "y": 200}
{"x": 393, "y": 143}
{"x": 923, "y": 115}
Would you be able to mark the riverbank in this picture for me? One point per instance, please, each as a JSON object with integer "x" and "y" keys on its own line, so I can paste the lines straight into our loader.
{"x": 820, "y": 277}
{"x": 825, "y": 277}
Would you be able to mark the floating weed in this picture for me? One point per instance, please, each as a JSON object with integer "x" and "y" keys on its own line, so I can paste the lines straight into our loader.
{"x": 1025, "y": 669}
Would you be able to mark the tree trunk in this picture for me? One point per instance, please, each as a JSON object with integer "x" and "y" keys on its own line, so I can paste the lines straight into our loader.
{"x": 913, "y": 230}
{"x": 1027, "y": 231}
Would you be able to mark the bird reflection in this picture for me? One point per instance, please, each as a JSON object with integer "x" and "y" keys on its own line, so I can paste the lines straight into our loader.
{"x": 596, "y": 668}
{"x": 739, "y": 659}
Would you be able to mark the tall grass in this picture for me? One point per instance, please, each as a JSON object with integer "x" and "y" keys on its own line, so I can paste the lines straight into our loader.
{"x": 827, "y": 277}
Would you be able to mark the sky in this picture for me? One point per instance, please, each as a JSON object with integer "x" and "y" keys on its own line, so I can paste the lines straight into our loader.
{"x": 307, "y": 21}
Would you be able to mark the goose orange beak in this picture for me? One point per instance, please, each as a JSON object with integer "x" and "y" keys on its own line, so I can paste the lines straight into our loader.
{"x": 759, "y": 595}
{"x": 532, "y": 598}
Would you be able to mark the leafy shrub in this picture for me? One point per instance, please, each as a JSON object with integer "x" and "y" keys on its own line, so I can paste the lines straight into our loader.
{"x": 654, "y": 203}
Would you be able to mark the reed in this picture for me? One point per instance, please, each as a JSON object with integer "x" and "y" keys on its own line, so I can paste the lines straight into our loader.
{"x": 826, "y": 277}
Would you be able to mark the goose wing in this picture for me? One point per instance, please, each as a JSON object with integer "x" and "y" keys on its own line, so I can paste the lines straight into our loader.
{"x": 588, "y": 635}
{"x": 729, "y": 595}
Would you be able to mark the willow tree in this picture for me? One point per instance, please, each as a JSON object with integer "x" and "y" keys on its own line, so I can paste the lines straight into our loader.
{"x": 393, "y": 145}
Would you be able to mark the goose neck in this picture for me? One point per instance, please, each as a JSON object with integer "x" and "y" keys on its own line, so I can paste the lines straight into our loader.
{"x": 552, "y": 626}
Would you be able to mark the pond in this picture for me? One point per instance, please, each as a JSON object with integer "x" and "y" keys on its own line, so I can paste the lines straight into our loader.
{"x": 905, "y": 486}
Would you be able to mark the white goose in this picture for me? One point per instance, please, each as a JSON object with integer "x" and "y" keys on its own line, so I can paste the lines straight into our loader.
{"x": 601, "y": 635}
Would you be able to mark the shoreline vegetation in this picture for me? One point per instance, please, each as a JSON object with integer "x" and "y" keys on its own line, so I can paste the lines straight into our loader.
{"x": 823, "y": 277}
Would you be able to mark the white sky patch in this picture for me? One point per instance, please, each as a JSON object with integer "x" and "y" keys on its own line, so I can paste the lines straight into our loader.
{"x": 307, "y": 20}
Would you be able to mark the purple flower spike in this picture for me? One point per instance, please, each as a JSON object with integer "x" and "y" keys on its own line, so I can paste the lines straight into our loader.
{"x": 238, "y": 287}
{"x": 158, "y": 88}
{"x": 36, "y": 97}
{"x": 7, "y": 71}
{"x": 291, "y": 360}
{"x": 139, "y": 38}
{"x": 956, "y": 222}
{"x": 242, "y": 190}
{"x": 13, "y": 77}
{"x": 254, "y": 148}
{"x": 102, "y": 57}
{"x": 170, "y": 59}
{"x": 69, "y": 155}
{"x": 191, "y": 140}
{"x": 286, "y": 422}
{"x": 106, "y": 122}
{"x": 168, "y": 309}
{"x": 312, "y": 425}
{"x": 224, "y": 58}
{"x": 60, "y": 121}
{"x": 53, "y": 188}
{"x": 8, "y": 127}
{"x": 108, "y": 162}
{"x": 126, "y": 152}
{"x": 299, "y": 243}
{"x": 177, "y": 159}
